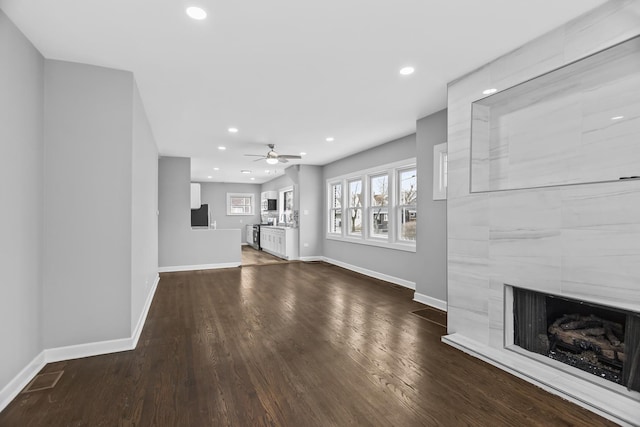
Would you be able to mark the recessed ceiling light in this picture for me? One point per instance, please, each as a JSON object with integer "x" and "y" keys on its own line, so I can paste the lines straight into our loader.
{"x": 407, "y": 70}
{"x": 617, "y": 118}
{"x": 252, "y": 179}
{"x": 245, "y": 171}
{"x": 216, "y": 169}
{"x": 303, "y": 153}
{"x": 233, "y": 130}
{"x": 489, "y": 91}
{"x": 209, "y": 177}
{"x": 330, "y": 139}
{"x": 196, "y": 13}
{"x": 222, "y": 148}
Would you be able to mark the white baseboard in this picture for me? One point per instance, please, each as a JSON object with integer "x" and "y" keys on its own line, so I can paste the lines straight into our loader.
{"x": 311, "y": 258}
{"x": 87, "y": 350}
{"x": 371, "y": 273}
{"x": 431, "y": 302}
{"x": 51, "y": 355}
{"x": 143, "y": 316}
{"x": 104, "y": 347}
{"x": 198, "y": 267}
{"x": 20, "y": 381}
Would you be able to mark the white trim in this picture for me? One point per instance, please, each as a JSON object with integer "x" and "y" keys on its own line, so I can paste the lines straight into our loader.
{"x": 377, "y": 170}
{"x": 20, "y": 381}
{"x": 241, "y": 195}
{"x": 311, "y": 258}
{"x": 198, "y": 267}
{"x": 15, "y": 386}
{"x": 430, "y": 301}
{"x": 371, "y": 242}
{"x": 105, "y": 347}
{"x": 603, "y": 402}
{"x": 145, "y": 310}
{"x": 392, "y": 240}
{"x": 88, "y": 349}
{"x": 371, "y": 273}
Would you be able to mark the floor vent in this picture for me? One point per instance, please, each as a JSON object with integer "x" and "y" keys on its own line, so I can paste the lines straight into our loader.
{"x": 43, "y": 382}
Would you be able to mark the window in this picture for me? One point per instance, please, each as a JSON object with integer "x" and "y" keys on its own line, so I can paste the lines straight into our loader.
{"x": 379, "y": 206}
{"x": 335, "y": 209}
{"x": 286, "y": 205}
{"x": 355, "y": 207}
{"x": 240, "y": 203}
{"x": 407, "y": 204}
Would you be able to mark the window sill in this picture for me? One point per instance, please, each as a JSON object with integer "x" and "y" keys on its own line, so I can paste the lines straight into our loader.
{"x": 406, "y": 247}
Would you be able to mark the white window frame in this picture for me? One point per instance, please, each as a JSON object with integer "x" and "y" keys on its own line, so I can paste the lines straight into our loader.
{"x": 243, "y": 195}
{"x": 399, "y": 206}
{"x": 371, "y": 207}
{"x": 285, "y": 216}
{"x": 391, "y": 241}
{"x": 350, "y": 208}
{"x": 333, "y": 209}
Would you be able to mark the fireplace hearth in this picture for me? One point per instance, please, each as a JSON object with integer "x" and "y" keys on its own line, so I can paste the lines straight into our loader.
{"x": 601, "y": 340}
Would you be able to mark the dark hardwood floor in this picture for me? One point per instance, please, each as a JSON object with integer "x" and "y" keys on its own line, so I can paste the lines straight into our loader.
{"x": 251, "y": 256}
{"x": 288, "y": 344}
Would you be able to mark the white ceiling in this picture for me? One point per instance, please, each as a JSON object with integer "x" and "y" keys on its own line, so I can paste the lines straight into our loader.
{"x": 289, "y": 72}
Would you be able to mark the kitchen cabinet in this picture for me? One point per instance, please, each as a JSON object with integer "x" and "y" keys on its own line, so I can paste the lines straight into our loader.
{"x": 195, "y": 196}
{"x": 280, "y": 241}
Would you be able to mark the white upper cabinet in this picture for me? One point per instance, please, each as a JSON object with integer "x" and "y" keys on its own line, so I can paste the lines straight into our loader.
{"x": 195, "y": 196}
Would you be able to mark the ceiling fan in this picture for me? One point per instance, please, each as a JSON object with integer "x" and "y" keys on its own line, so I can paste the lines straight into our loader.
{"x": 272, "y": 157}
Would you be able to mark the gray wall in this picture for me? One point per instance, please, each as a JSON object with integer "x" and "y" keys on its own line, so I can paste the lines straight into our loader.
{"x": 144, "y": 207}
{"x": 289, "y": 179}
{"x": 278, "y": 183}
{"x": 178, "y": 244}
{"x": 215, "y": 195}
{"x": 87, "y": 222}
{"x": 311, "y": 210}
{"x": 307, "y": 182}
{"x": 396, "y": 263}
{"x": 431, "y": 278}
{"x": 21, "y": 189}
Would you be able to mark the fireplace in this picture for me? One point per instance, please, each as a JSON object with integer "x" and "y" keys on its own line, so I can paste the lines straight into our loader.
{"x": 601, "y": 340}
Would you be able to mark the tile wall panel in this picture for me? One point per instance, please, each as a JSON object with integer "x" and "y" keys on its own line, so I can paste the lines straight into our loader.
{"x": 576, "y": 240}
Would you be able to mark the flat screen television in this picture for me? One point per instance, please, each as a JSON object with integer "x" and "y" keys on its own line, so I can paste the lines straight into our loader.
{"x": 200, "y": 217}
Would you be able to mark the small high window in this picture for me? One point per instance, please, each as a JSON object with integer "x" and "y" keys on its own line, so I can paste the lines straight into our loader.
{"x": 240, "y": 203}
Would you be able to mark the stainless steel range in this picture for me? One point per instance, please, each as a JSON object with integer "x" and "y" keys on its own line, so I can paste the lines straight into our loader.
{"x": 256, "y": 236}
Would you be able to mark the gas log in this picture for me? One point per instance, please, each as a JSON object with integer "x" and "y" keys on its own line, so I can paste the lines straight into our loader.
{"x": 589, "y": 333}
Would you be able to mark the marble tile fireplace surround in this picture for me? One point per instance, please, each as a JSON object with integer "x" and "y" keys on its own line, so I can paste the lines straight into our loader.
{"x": 577, "y": 240}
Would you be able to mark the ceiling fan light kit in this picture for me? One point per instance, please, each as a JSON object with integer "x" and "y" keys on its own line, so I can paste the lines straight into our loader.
{"x": 273, "y": 158}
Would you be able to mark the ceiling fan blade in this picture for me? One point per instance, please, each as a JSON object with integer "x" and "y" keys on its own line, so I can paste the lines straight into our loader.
{"x": 288, "y": 156}
{"x": 282, "y": 159}
{"x": 255, "y": 155}
{"x": 261, "y": 158}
